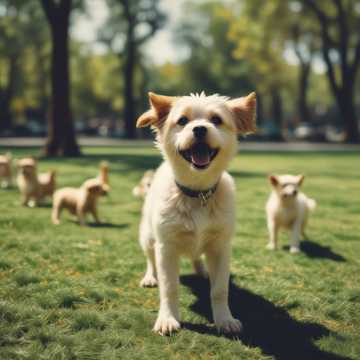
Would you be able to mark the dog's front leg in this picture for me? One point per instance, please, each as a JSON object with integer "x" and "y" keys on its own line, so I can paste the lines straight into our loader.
{"x": 167, "y": 264}
{"x": 80, "y": 213}
{"x": 273, "y": 229}
{"x": 295, "y": 236}
{"x": 94, "y": 213}
{"x": 218, "y": 261}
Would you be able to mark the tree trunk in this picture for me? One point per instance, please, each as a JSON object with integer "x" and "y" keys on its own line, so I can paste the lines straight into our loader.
{"x": 7, "y": 95}
{"x": 303, "y": 106}
{"x": 129, "y": 69}
{"x": 259, "y": 109}
{"x": 61, "y": 135}
{"x": 349, "y": 119}
{"x": 277, "y": 113}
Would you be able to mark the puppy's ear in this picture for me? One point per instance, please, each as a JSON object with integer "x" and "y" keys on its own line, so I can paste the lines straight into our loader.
{"x": 244, "y": 109}
{"x": 274, "y": 181}
{"x": 160, "y": 108}
{"x": 300, "y": 179}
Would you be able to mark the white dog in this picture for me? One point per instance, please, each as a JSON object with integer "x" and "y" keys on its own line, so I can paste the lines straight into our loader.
{"x": 289, "y": 208}
{"x": 190, "y": 207}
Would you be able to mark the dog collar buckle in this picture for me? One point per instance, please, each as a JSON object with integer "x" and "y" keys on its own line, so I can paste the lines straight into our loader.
{"x": 204, "y": 196}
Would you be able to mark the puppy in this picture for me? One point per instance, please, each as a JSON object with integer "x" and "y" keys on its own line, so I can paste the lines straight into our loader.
{"x": 5, "y": 170}
{"x": 34, "y": 188}
{"x": 190, "y": 207}
{"x": 47, "y": 184}
{"x": 27, "y": 181}
{"x": 79, "y": 201}
{"x": 287, "y": 208}
{"x": 143, "y": 187}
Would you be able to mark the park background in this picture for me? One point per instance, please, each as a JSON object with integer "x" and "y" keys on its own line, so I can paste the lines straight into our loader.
{"x": 86, "y": 66}
{"x": 74, "y": 76}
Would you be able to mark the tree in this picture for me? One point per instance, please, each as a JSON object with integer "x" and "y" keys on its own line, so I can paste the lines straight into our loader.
{"x": 61, "y": 135}
{"x": 130, "y": 25}
{"x": 12, "y": 45}
{"x": 258, "y": 32}
{"x": 339, "y": 23}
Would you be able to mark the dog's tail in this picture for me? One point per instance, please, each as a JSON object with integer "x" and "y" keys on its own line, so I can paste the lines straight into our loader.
{"x": 311, "y": 204}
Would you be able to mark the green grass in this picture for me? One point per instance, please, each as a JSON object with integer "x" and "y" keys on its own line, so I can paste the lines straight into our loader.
{"x": 68, "y": 292}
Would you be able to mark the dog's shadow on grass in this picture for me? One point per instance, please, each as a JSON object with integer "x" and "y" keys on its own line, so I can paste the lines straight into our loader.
{"x": 316, "y": 251}
{"x": 100, "y": 225}
{"x": 266, "y": 325}
{"x": 108, "y": 225}
{"x": 45, "y": 205}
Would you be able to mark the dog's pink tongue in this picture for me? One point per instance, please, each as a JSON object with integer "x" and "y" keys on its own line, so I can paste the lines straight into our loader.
{"x": 200, "y": 155}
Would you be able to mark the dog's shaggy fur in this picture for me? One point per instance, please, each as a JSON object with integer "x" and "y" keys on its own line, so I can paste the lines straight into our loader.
{"x": 80, "y": 201}
{"x": 34, "y": 188}
{"x": 5, "y": 170}
{"x": 287, "y": 208}
{"x": 143, "y": 187}
{"x": 197, "y": 136}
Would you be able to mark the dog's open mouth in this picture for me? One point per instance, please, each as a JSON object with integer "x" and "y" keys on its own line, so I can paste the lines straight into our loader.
{"x": 199, "y": 155}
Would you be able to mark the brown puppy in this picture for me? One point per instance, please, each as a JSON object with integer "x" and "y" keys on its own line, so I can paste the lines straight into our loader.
{"x": 79, "y": 201}
{"x": 5, "y": 170}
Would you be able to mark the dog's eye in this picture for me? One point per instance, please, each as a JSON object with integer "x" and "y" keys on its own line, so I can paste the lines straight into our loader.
{"x": 216, "y": 120}
{"x": 183, "y": 121}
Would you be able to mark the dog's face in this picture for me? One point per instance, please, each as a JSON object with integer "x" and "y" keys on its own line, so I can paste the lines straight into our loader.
{"x": 27, "y": 167}
{"x": 198, "y": 133}
{"x": 96, "y": 188}
{"x": 286, "y": 186}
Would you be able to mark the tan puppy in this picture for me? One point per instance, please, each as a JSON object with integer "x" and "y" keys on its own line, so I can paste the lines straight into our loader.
{"x": 80, "y": 201}
{"x": 143, "y": 187}
{"x": 47, "y": 184}
{"x": 287, "y": 208}
{"x": 5, "y": 170}
{"x": 34, "y": 188}
{"x": 27, "y": 181}
{"x": 190, "y": 207}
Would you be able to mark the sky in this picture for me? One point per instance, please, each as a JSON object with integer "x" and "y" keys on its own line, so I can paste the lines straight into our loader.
{"x": 86, "y": 27}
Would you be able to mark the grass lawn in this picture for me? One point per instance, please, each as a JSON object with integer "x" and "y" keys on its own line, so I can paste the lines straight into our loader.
{"x": 68, "y": 292}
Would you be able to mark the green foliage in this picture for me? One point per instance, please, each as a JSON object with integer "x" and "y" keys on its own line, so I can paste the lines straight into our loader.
{"x": 69, "y": 292}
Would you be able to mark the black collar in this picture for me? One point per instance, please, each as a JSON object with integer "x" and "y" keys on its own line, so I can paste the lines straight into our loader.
{"x": 203, "y": 195}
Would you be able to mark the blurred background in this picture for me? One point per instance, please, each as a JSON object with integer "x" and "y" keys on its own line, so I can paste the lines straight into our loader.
{"x": 73, "y": 68}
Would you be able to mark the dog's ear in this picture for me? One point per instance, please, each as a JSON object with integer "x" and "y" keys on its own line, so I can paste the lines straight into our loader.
{"x": 160, "y": 108}
{"x": 274, "y": 181}
{"x": 244, "y": 109}
{"x": 300, "y": 179}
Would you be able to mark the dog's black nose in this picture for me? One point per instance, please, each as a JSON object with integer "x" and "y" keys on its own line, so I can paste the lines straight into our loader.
{"x": 199, "y": 132}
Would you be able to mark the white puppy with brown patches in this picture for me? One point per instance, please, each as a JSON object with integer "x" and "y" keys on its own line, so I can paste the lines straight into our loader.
{"x": 287, "y": 208}
{"x": 190, "y": 207}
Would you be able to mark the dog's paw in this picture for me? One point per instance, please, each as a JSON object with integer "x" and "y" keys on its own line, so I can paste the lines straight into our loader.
{"x": 56, "y": 222}
{"x": 229, "y": 325}
{"x": 271, "y": 246}
{"x": 148, "y": 281}
{"x": 166, "y": 325}
{"x": 294, "y": 249}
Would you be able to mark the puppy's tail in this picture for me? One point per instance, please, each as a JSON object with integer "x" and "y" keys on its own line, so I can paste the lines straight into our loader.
{"x": 311, "y": 204}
